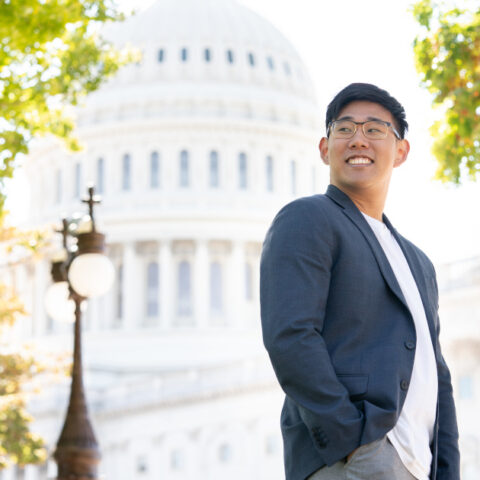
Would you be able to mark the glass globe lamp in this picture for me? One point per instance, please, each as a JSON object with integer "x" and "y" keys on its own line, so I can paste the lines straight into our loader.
{"x": 58, "y": 304}
{"x": 91, "y": 274}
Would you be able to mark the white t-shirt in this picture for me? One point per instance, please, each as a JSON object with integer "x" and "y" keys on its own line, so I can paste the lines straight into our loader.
{"x": 413, "y": 432}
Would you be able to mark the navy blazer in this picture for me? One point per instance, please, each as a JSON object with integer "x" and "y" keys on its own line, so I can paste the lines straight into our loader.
{"x": 341, "y": 337}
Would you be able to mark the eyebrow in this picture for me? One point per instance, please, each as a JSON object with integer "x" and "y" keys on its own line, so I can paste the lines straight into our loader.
{"x": 349, "y": 117}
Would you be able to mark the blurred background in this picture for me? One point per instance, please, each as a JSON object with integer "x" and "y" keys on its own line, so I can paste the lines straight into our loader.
{"x": 209, "y": 126}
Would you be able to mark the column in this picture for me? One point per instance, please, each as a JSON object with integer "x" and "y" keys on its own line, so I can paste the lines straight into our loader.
{"x": 20, "y": 279}
{"x": 130, "y": 282}
{"x": 9, "y": 473}
{"x": 31, "y": 472}
{"x": 236, "y": 285}
{"x": 166, "y": 284}
{"x": 256, "y": 292}
{"x": 201, "y": 284}
{"x": 108, "y": 313}
{"x": 41, "y": 281}
{"x": 94, "y": 307}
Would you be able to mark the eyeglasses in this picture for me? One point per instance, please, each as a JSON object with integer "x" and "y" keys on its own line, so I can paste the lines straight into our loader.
{"x": 372, "y": 129}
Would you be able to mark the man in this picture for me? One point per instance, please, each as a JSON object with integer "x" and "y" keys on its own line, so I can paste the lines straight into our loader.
{"x": 349, "y": 315}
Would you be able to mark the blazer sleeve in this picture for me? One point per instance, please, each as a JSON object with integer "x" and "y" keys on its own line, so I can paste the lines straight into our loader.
{"x": 448, "y": 461}
{"x": 296, "y": 267}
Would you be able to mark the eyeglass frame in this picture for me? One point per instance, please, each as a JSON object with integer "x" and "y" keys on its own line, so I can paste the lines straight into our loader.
{"x": 388, "y": 124}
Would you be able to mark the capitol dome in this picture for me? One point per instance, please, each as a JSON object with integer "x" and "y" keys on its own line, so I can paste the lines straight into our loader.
{"x": 193, "y": 153}
{"x": 215, "y": 81}
{"x": 240, "y": 65}
{"x": 193, "y": 150}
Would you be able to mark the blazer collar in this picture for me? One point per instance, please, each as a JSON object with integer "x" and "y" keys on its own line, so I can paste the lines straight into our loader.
{"x": 354, "y": 214}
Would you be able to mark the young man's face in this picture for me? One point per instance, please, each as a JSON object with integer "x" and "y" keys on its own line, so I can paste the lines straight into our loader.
{"x": 359, "y": 164}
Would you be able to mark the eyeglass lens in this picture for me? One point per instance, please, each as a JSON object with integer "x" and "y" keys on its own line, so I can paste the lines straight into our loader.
{"x": 347, "y": 129}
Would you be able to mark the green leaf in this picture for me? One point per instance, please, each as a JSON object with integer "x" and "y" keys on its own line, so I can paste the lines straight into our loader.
{"x": 49, "y": 51}
{"x": 448, "y": 61}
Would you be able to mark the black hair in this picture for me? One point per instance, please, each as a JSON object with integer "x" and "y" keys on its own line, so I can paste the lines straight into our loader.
{"x": 369, "y": 93}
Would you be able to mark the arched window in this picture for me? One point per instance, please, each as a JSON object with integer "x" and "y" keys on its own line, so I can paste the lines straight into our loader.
{"x": 242, "y": 171}
{"x": 214, "y": 180}
{"x": 142, "y": 464}
{"x": 161, "y": 55}
{"x": 177, "y": 459}
{"x": 248, "y": 282}
{"x": 269, "y": 173}
{"x": 126, "y": 172}
{"x": 100, "y": 175}
{"x": 152, "y": 289}
{"x": 154, "y": 170}
{"x": 272, "y": 446}
{"x": 251, "y": 59}
{"x": 183, "y": 54}
{"x": 293, "y": 177}
{"x": 184, "y": 179}
{"x": 207, "y": 54}
{"x": 216, "y": 294}
{"x": 77, "y": 180}
{"x": 270, "y": 63}
{"x": 230, "y": 57}
{"x": 225, "y": 453}
{"x": 58, "y": 186}
{"x": 184, "y": 288}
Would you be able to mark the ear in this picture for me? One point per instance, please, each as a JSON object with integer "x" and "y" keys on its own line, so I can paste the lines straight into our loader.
{"x": 323, "y": 147}
{"x": 403, "y": 147}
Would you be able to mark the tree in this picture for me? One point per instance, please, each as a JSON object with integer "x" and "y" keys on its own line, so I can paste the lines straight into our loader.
{"x": 21, "y": 368}
{"x": 51, "y": 55}
{"x": 17, "y": 443}
{"x": 447, "y": 55}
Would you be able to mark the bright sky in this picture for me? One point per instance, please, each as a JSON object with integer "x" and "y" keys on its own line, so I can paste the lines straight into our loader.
{"x": 371, "y": 41}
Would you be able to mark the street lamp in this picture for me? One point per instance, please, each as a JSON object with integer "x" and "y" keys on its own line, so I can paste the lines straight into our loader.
{"x": 81, "y": 272}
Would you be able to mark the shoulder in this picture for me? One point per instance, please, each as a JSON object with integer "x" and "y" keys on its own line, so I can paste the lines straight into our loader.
{"x": 305, "y": 221}
{"x": 306, "y": 208}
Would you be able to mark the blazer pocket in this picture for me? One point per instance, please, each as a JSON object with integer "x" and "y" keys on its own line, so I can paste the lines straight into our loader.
{"x": 356, "y": 385}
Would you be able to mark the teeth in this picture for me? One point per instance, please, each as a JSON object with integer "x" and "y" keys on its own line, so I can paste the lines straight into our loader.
{"x": 359, "y": 161}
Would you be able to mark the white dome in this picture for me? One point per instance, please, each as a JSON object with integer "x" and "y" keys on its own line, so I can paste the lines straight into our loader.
{"x": 249, "y": 103}
{"x": 192, "y": 157}
{"x": 216, "y": 57}
{"x": 219, "y": 21}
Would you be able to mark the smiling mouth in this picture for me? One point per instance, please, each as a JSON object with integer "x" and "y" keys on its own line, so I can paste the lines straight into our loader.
{"x": 359, "y": 161}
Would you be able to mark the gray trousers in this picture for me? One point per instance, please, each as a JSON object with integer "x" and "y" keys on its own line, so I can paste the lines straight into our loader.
{"x": 375, "y": 461}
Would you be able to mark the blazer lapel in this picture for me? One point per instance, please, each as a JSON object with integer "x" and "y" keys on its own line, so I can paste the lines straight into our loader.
{"x": 418, "y": 275}
{"x": 354, "y": 214}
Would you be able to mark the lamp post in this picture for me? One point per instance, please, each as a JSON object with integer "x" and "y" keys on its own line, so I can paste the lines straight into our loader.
{"x": 82, "y": 272}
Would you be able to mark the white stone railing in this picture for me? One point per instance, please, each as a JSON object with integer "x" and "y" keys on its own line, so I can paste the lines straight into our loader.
{"x": 124, "y": 390}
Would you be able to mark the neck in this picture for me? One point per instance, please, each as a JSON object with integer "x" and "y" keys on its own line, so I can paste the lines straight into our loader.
{"x": 368, "y": 202}
{"x": 371, "y": 208}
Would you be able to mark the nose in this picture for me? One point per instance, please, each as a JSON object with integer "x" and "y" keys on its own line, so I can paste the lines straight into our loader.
{"x": 359, "y": 140}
